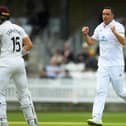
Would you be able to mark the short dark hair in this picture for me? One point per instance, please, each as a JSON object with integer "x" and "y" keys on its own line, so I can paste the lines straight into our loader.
{"x": 108, "y": 7}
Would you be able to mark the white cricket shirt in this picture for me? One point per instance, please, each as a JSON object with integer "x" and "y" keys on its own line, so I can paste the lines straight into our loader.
{"x": 11, "y": 39}
{"x": 111, "y": 51}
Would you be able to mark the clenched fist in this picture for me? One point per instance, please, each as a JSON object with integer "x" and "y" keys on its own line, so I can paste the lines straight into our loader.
{"x": 85, "y": 30}
{"x": 113, "y": 28}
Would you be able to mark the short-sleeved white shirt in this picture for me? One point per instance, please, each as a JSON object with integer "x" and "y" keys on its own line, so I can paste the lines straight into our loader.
{"x": 111, "y": 51}
{"x": 11, "y": 39}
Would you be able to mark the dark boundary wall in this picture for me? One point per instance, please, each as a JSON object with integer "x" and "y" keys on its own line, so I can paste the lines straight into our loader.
{"x": 68, "y": 107}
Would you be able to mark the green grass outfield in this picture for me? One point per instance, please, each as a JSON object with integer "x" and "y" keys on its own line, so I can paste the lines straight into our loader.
{"x": 67, "y": 119}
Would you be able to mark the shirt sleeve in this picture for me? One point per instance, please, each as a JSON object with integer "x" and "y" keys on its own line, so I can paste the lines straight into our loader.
{"x": 95, "y": 34}
{"x": 121, "y": 30}
{"x": 24, "y": 34}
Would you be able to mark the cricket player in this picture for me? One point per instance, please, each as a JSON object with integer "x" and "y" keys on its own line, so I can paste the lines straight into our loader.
{"x": 14, "y": 43}
{"x": 111, "y": 36}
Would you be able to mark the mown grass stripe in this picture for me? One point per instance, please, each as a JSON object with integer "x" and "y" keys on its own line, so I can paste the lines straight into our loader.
{"x": 69, "y": 123}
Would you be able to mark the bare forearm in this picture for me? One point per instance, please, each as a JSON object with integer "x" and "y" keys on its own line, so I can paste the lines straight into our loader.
{"x": 120, "y": 38}
{"x": 89, "y": 40}
{"x": 27, "y": 44}
{"x": 118, "y": 35}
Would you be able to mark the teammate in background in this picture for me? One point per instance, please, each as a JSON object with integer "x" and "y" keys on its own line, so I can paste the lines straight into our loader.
{"x": 14, "y": 43}
{"x": 110, "y": 35}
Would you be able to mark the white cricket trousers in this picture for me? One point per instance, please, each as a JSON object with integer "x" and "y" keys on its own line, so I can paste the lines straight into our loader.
{"x": 12, "y": 67}
{"x": 105, "y": 75}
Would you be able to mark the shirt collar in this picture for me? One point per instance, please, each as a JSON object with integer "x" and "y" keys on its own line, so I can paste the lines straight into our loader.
{"x": 110, "y": 24}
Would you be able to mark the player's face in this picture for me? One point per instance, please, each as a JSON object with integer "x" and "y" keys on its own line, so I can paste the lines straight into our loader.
{"x": 107, "y": 16}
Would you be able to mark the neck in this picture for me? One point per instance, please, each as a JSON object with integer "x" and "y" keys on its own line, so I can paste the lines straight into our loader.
{"x": 107, "y": 23}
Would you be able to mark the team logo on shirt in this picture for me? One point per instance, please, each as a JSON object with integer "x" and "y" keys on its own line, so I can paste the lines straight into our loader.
{"x": 103, "y": 39}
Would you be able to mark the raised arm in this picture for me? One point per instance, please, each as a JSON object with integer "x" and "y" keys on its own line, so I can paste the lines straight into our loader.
{"x": 120, "y": 38}
{"x": 88, "y": 39}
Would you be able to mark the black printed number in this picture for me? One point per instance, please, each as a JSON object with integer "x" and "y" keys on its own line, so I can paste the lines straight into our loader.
{"x": 16, "y": 44}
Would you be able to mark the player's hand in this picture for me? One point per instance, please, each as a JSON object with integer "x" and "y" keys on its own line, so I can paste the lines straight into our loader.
{"x": 113, "y": 28}
{"x": 85, "y": 30}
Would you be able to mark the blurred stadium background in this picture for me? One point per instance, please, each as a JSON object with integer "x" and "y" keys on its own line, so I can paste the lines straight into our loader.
{"x": 59, "y": 83}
